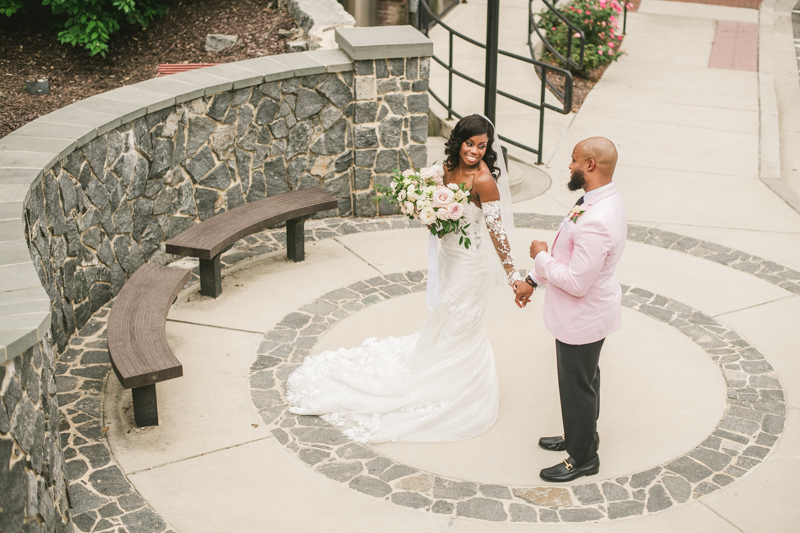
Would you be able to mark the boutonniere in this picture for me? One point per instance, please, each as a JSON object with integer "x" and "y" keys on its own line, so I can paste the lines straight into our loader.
{"x": 577, "y": 211}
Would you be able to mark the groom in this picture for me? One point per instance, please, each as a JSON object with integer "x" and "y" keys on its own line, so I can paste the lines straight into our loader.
{"x": 582, "y": 305}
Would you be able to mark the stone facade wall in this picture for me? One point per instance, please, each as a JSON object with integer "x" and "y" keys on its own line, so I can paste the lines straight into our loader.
{"x": 105, "y": 209}
{"x": 390, "y": 125}
{"x": 32, "y": 482}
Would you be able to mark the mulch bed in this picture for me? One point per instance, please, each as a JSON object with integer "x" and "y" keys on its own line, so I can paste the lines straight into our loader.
{"x": 29, "y": 49}
{"x": 581, "y": 86}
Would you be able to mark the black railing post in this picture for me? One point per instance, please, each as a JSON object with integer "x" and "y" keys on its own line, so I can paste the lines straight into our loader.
{"x": 492, "y": 37}
{"x": 450, "y": 79}
{"x": 542, "y": 98}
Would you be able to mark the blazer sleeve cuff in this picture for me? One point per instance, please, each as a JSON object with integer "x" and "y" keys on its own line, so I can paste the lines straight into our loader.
{"x": 540, "y": 264}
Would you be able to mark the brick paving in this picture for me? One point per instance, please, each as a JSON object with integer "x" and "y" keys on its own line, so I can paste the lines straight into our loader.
{"x": 747, "y": 4}
{"x": 735, "y": 46}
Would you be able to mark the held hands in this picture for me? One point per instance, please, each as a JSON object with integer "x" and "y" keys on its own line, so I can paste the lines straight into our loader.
{"x": 536, "y": 247}
{"x": 522, "y": 293}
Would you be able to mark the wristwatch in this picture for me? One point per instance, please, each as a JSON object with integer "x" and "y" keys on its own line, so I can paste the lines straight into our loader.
{"x": 530, "y": 282}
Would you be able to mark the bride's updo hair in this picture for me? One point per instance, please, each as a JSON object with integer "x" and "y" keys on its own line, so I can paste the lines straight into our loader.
{"x": 466, "y": 128}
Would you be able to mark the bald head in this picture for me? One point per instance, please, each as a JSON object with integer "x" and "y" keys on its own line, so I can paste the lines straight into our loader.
{"x": 593, "y": 161}
{"x": 602, "y": 151}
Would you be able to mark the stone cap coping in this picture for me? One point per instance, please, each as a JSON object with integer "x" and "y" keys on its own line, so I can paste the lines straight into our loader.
{"x": 384, "y": 42}
{"x": 30, "y": 151}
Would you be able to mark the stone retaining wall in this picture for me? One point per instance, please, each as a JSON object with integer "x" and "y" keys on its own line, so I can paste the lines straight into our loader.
{"x": 104, "y": 210}
{"x": 32, "y": 483}
{"x": 90, "y": 192}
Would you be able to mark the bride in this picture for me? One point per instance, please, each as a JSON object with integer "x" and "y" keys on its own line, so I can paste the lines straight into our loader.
{"x": 440, "y": 384}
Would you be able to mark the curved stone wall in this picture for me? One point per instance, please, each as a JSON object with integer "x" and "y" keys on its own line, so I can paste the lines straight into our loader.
{"x": 90, "y": 192}
{"x": 97, "y": 215}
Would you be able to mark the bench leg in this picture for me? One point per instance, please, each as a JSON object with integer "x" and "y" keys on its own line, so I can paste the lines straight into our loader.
{"x": 211, "y": 277}
{"x": 145, "y": 406}
{"x": 295, "y": 239}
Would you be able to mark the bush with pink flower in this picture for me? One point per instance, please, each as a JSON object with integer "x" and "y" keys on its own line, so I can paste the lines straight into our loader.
{"x": 423, "y": 196}
{"x": 600, "y": 21}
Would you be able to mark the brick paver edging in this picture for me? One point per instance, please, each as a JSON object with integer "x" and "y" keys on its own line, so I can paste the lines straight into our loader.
{"x": 102, "y": 499}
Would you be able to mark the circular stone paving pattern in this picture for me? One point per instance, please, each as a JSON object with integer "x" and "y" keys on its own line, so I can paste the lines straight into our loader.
{"x": 752, "y": 423}
{"x": 102, "y": 498}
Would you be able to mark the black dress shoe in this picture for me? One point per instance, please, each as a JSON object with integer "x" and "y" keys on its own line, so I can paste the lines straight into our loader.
{"x": 559, "y": 444}
{"x": 567, "y": 470}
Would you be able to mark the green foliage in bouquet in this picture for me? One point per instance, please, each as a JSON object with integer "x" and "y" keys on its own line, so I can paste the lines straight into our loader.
{"x": 440, "y": 228}
{"x": 598, "y": 19}
{"x": 90, "y": 23}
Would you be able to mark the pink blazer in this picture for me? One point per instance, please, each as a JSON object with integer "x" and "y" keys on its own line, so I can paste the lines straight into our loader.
{"x": 583, "y": 300}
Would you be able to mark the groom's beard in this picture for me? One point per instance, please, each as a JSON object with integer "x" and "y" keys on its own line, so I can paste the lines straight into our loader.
{"x": 576, "y": 180}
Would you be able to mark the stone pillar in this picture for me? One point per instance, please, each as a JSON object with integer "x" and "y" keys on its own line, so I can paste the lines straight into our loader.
{"x": 32, "y": 483}
{"x": 390, "y": 120}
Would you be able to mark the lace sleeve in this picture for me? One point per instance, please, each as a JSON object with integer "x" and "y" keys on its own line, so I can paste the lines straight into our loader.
{"x": 494, "y": 222}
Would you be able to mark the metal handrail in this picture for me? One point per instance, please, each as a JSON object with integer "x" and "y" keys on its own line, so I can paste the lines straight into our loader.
{"x": 423, "y": 24}
{"x": 533, "y": 25}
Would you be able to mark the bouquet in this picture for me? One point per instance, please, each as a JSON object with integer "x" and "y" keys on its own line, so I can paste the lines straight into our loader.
{"x": 423, "y": 195}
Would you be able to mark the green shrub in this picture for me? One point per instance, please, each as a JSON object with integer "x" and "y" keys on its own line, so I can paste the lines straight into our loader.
{"x": 598, "y": 19}
{"x": 90, "y": 23}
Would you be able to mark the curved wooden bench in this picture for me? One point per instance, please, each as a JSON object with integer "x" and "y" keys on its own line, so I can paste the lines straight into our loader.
{"x": 137, "y": 338}
{"x": 209, "y": 239}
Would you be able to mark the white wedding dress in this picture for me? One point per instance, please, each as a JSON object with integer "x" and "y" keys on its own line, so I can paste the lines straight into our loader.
{"x": 438, "y": 385}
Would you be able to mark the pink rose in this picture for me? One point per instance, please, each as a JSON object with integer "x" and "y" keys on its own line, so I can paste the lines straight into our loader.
{"x": 442, "y": 197}
{"x": 455, "y": 211}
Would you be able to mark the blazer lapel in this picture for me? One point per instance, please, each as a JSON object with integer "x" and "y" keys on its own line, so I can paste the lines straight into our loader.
{"x": 557, "y": 234}
{"x": 605, "y": 194}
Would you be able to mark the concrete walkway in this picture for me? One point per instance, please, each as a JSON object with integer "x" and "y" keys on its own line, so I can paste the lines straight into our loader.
{"x": 690, "y": 154}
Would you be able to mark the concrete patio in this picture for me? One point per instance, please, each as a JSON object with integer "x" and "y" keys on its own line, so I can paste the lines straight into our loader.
{"x": 707, "y": 232}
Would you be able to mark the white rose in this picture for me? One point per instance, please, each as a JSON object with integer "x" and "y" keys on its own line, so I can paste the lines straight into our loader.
{"x": 427, "y": 216}
{"x": 393, "y": 185}
{"x": 459, "y": 195}
{"x": 421, "y": 205}
{"x": 442, "y": 213}
{"x": 408, "y": 172}
{"x": 453, "y": 187}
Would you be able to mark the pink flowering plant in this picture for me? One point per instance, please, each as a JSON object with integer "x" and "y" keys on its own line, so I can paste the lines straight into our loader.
{"x": 600, "y": 22}
{"x": 422, "y": 195}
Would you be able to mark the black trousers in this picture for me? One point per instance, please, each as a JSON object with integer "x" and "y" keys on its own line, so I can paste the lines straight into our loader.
{"x": 579, "y": 388}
